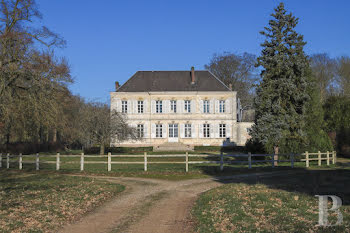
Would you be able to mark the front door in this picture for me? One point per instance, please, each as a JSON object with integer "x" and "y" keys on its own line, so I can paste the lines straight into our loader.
{"x": 173, "y": 133}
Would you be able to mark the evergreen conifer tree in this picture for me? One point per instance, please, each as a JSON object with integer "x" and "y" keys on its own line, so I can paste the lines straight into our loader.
{"x": 282, "y": 95}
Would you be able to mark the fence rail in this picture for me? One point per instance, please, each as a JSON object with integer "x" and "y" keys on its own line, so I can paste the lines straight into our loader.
{"x": 327, "y": 156}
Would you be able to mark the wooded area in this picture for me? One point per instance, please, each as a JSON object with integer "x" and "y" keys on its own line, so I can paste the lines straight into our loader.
{"x": 301, "y": 102}
{"x": 38, "y": 112}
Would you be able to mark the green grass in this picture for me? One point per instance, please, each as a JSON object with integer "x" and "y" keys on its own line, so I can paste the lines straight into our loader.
{"x": 160, "y": 171}
{"x": 44, "y": 202}
{"x": 276, "y": 204}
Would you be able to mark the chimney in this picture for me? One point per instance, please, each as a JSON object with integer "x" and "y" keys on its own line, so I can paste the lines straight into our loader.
{"x": 192, "y": 76}
{"x": 116, "y": 85}
{"x": 230, "y": 86}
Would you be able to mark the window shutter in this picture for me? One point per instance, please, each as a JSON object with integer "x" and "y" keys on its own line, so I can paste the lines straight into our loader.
{"x": 200, "y": 130}
{"x": 193, "y": 129}
{"x": 166, "y": 106}
{"x": 228, "y": 130}
{"x": 145, "y": 131}
{"x": 211, "y": 106}
{"x": 164, "y": 130}
{"x": 193, "y": 106}
{"x": 228, "y": 106}
{"x": 182, "y": 130}
{"x": 135, "y": 106}
{"x": 153, "y": 133}
{"x": 180, "y": 106}
{"x": 201, "y": 110}
{"x": 153, "y": 106}
{"x": 145, "y": 105}
{"x": 212, "y": 131}
{"x": 217, "y": 106}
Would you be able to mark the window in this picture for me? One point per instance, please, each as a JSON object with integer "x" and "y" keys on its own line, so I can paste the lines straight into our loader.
{"x": 206, "y": 106}
{"x": 222, "y": 130}
{"x": 222, "y": 106}
{"x": 173, "y": 106}
{"x": 188, "y": 131}
{"x": 124, "y": 106}
{"x": 140, "y": 106}
{"x": 140, "y": 131}
{"x": 159, "y": 106}
{"x": 159, "y": 131}
{"x": 187, "y": 105}
{"x": 206, "y": 130}
{"x": 173, "y": 131}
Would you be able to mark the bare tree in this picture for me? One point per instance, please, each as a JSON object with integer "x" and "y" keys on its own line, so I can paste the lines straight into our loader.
{"x": 238, "y": 70}
{"x": 102, "y": 126}
{"x": 324, "y": 69}
{"x": 343, "y": 77}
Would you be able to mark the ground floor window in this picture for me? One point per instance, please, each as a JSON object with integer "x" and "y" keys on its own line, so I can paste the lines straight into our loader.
{"x": 222, "y": 130}
{"x": 188, "y": 131}
{"x": 206, "y": 130}
{"x": 173, "y": 131}
{"x": 140, "y": 130}
{"x": 159, "y": 131}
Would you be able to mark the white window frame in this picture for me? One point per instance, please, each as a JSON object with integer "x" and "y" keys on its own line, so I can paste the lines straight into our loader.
{"x": 187, "y": 106}
{"x": 222, "y": 130}
{"x": 206, "y": 106}
{"x": 140, "y": 106}
{"x": 206, "y": 130}
{"x": 188, "y": 130}
{"x": 159, "y": 130}
{"x": 173, "y": 131}
{"x": 173, "y": 106}
{"x": 222, "y": 106}
{"x": 159, "y": 106}
{"x": 140, "y": 130}
{"x": 124, "y": 106}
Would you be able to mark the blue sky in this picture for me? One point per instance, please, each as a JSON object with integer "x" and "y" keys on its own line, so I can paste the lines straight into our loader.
{"x": 109, "y": 40}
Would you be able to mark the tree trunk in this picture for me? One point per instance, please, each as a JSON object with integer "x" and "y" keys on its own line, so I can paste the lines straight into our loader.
{"x": 54, "y": 135}
{"x": 275, "y": 148}
{"x": 102, "y": 149}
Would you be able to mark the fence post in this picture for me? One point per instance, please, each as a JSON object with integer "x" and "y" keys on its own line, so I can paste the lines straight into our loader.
{"x": 334, "y": 157}
{"x": 109, "y": 161}
{"x": 145, "y": 161}
{"x": 273, "y": 160}
{"x": 0, "y": 160}
{"x": 249, "y": 160}
{"x": 8, "y": 161}
{"x": 292, "y": 160}
{"x": 221, "y": 161}
{"x": 327, "y": 158}
{"x": 37, "y": 161}
{"x": 20, "y": 165}
{"x": 57, "y": 161}
{"x": 82, "y": 162}
{"x": 186, "y": 161}
{"x": 307, "y": 159}
{"x": 319, "y": 158}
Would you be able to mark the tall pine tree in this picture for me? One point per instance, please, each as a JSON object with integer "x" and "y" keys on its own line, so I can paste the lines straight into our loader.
{"x": 282, "y": 96}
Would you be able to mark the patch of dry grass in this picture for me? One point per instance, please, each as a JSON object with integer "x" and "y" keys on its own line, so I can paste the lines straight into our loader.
{"x": 278, "y": 204}
{"x": 45, "y": 202}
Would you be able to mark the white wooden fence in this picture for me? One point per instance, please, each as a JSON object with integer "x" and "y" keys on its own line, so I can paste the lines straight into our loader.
{"x": 329, "y": 156}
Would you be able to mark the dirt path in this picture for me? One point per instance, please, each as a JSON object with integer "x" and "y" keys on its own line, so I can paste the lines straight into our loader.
{"x": 149, "y": 205}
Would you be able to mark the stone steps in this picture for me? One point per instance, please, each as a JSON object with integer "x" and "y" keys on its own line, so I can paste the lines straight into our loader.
{"x": 173, "y": 146}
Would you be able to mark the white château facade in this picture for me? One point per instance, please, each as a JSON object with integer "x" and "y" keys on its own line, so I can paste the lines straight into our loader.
{"x": 187, "y": 107}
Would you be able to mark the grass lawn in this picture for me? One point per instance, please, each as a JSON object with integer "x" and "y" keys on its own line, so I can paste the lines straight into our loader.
{"x": 275, "y": 204}
{"x": 41, "y": 202}
{"x": 161, "y": 171}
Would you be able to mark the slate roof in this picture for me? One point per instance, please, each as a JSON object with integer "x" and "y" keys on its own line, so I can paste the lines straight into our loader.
{"x": 152, "y": 81}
